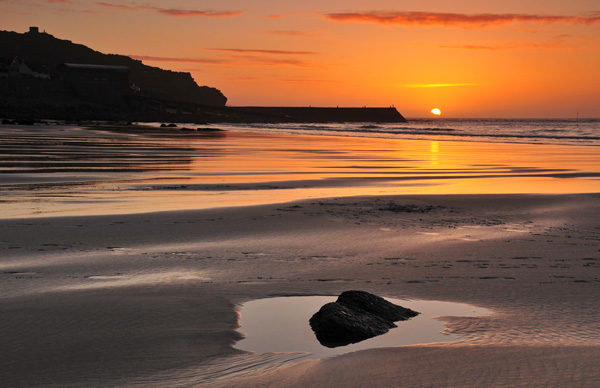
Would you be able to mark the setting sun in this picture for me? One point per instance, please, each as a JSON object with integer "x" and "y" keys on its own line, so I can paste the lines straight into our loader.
{"x": 436, "y": 111}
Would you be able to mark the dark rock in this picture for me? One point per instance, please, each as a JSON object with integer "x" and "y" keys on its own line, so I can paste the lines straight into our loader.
{"x": 354, "y": 317}
{"x": 376, "y": 305}
{"x": 393, "y": 207}
{"x": 25, "y": 121}
{"x": 337, "y": 325}
{"x": 186, "y": 129}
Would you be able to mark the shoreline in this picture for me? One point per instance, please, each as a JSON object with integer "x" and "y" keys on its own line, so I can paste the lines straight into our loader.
{"x": 150, "y": 299}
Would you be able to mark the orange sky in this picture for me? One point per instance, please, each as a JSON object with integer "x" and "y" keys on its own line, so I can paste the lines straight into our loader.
{"x": 470, "y": 58}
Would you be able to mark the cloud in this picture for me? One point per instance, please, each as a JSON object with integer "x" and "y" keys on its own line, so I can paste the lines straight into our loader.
{"x": 558, "y": 42}
{"x": 298, "y": 80}
{"x": 434, "y": 85}
{"x": 512, "y": 46}
{"x": 305, "y": 81}
{"x": 149, "y": 58}
{"x": 246, "y": 60}
{"x": 457, "y": 20}
{"x": 258, "y": 51}
{"x": 175, "y": 12}
{"x": 122, "y": 7}
{"x": 187, "y": 12}
{"x": 229, "y": 56}
{"x": 231, "y": 60}
{"x": 264, "y": 57}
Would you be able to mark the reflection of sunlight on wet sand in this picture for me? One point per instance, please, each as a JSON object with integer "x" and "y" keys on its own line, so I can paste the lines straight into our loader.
{"x": 110, "y": 281}
{"x": 347, "y": 166}
{"x": 251, "y": 169}
{"x": 435, "y": 149}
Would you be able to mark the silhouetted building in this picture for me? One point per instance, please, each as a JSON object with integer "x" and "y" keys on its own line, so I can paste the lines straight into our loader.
{"x": 17, "y": 69}
{"x": 98, "y": 83}
{"x": 34, "y": 30}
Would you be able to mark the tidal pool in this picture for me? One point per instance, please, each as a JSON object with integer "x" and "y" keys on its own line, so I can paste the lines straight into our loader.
{"x": 281, "y": 325}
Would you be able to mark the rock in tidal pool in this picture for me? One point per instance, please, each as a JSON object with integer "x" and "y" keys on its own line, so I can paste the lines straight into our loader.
{"x": 356, "y": 316}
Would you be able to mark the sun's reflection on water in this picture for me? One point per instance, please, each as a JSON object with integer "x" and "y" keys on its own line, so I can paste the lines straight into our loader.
{"x": 176, "y": 173}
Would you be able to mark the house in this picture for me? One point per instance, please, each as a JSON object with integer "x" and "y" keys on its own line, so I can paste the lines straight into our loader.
{"x": 18, "y": 69}
{"x": 98, "y": 83}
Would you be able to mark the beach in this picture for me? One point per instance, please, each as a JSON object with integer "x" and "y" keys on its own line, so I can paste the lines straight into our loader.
{"x": 132, "y": 271}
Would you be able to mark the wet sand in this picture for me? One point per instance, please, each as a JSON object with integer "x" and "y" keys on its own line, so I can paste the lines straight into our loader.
{"x": 151, "y": 299}
{"x": 70, "y": 170}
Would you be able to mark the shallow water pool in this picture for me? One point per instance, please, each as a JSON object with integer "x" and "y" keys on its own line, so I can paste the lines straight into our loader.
{"x": 281, "y": 325}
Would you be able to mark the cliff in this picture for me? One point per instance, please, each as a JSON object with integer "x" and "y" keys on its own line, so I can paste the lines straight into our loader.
{"x": 43, "y": 53}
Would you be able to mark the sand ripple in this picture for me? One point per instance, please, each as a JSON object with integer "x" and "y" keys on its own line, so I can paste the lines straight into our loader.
{"x": 240, "y": 366}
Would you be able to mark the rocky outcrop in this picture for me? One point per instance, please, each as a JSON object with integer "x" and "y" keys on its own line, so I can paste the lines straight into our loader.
{"x": 356, "y": 316}
{"x": 45, "y": 53}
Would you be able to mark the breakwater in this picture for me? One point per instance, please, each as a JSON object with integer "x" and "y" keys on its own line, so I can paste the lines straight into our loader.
{"x": 320, "y": 114}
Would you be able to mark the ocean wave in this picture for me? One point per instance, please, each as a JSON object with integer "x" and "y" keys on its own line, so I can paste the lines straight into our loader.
{"x": 534, "y": 131}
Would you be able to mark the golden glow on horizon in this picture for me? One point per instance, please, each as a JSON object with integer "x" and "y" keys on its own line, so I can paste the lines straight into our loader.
{"x": 436, "y": 111}
{"x": 435, "y": 85}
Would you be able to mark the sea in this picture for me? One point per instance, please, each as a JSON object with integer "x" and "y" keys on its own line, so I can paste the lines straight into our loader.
{"x": 530, "y": 131}
{"x": 52, "y": 170}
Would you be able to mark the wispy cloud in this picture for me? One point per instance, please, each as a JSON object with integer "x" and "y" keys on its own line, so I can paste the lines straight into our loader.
{"x": 434, "y": 85}
{"x": 297, "y": 80}
{"x": 264, "y": 57}
{"x": 260, "y": 51}
{"x": 305, "y": 81}
{"x": 458, "y": 20}
{"x": 507, "y": 46}
{"x": 231, "y": 60}
{"x": 149, "y": 58}
{"x": 246, "y": 60}
{"x": 187, "y": 12}
{"x": 560, "y": 41}
{"x": 121, "y": 7}
{"x": 175, "y": 12}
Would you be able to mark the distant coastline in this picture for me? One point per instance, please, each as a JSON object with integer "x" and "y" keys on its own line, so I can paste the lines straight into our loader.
{"x": 46, "y": 78}
{"x": 31, "y": 114}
